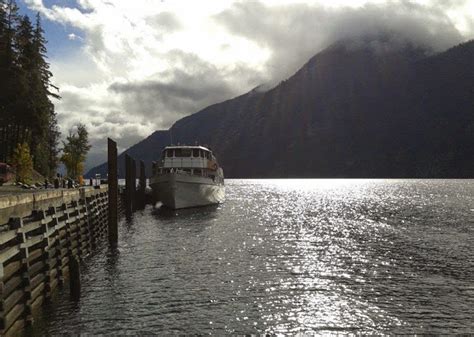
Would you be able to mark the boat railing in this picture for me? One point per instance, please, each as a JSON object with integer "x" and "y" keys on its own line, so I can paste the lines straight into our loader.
{"x": 187, "y": 162}
{"x": 200, "y": 172}
{"x": 180, "y": 162}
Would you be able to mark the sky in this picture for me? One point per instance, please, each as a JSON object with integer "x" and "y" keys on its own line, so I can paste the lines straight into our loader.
{"x": 127, "y": 68}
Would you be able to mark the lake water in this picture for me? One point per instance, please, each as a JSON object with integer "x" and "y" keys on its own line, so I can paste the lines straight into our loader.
{"x": 287, "y": 256}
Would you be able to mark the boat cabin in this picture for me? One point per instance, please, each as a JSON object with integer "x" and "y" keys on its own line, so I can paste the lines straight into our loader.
{"x": 183, "y": 152}
{"x": 195, "y": 160}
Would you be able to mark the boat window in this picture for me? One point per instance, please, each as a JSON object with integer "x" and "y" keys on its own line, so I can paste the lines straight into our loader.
{"x": 186, "y": 152}
{"x": 195, "y": 152}
{"x": 182, "y": 152}
{"x": 169, "y": 153}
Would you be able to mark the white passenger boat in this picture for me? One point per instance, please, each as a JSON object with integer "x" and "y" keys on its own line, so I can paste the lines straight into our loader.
{"x": 187, "y": 176}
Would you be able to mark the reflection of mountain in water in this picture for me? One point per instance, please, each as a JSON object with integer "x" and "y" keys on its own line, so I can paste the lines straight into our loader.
{"x": 365, "y": 109}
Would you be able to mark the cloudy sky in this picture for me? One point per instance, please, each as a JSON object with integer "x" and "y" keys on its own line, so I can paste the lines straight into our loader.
{"x": 127, "y": 68}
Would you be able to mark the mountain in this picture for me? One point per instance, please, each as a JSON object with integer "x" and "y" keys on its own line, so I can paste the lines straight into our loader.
{"x": 360, "y": 108}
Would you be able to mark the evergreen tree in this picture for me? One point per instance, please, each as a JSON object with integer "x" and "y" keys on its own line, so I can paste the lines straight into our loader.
{"x": 52, "y": 131}
{"x": 26, "y": 111}
{"x": 3, "y": 76}
{"x": 53, "y": 144}
{"x": 36, "y": 107}
{"x": 25, "y": 115}
{"x": 43, "y": 66}
{"x": 11, "y": 84}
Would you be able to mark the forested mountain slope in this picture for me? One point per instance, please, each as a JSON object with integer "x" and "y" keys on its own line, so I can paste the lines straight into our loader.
{"x": 361, "y": 108}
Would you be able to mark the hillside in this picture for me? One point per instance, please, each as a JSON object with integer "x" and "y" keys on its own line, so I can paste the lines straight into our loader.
{"x": 357, "y": 109}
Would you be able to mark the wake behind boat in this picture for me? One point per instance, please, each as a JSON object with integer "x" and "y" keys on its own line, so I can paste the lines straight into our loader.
{"x": 187, "y": 176}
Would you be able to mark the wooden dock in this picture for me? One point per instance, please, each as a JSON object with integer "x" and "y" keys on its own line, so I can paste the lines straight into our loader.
{"x": 41, "y": 234}
{"x": 44, "y": 234}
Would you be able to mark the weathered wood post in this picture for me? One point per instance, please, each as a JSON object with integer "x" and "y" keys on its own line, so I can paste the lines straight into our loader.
{"x": 112, "y": 181}
{"x": 74, "y": 278}
{"x": 133, "y": 185}
{"x": 142, "y": 184}
{"x": 128, "y": 186}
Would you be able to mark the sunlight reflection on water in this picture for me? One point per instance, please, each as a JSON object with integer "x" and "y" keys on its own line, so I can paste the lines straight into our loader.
{"x": 288, "y": 256}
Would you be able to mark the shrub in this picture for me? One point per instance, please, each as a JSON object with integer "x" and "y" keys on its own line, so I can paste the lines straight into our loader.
{"x": 23, "y": 163}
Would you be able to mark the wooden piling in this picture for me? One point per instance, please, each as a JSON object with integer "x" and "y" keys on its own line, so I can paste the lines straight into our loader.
{"x": 112, "y": 181}
{"x": 74, "y": 278}
{"x": 142, "y": 184}
{"x": 133, "y": 185}
{"x": 128, "y": 186}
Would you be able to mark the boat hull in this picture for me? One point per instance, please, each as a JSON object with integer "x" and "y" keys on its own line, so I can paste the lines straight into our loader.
{"x": 183, "y": 191}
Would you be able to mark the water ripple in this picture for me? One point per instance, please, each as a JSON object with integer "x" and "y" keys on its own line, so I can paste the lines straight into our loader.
{"x": 287, "y": 256}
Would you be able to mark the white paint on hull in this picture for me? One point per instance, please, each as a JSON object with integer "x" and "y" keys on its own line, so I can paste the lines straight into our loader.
{"x": 177, "y": 190}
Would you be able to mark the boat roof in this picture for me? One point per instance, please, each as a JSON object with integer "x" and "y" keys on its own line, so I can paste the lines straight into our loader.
{"x": 171, "y": 147}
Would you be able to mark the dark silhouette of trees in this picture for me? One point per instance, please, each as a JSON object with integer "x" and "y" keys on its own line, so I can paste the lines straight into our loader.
{"x": 26, "y": 112}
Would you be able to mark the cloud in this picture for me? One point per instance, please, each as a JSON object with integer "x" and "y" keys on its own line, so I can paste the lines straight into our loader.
{"x": 165, "y": 22}
{"x": 143, "y": 64}
{"x": 104, "y": 116}
{"x": 73, "y": 37}
{"x": 190, "y": 86}
{"x": 295, "y": 32}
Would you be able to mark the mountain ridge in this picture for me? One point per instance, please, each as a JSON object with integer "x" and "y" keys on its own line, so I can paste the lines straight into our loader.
{"x": 360, "y": 110}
